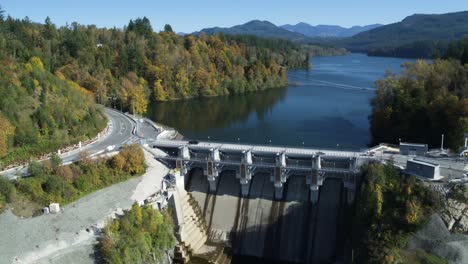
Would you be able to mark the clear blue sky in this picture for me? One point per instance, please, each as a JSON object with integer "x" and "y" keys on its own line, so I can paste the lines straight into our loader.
{"x": 192, "y": 15}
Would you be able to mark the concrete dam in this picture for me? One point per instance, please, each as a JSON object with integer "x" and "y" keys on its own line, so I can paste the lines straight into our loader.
{"x": 264, "y": 205}
{"x": 260, "y": 228}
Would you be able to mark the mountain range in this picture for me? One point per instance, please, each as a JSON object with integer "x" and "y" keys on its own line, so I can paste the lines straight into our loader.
{"x": 418, "y": 35}
{"x": 300, "y": 31}
{"x": 328, "y": 30}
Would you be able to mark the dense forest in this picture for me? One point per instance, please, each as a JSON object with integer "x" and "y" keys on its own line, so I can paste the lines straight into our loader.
{"x": 132, "y": 65}
{"x": 41, "y": 112}
{"x": 427, "y": 49}
{"x": 418, "y": 49}
{"x": 52, "y": 76}
{"x": 142, "y": 235}
{"x": 389, "y": 208}
{"x": 458, "y": 50}
{"x": 53, "y": 182}
{"x": 424, "y": 102}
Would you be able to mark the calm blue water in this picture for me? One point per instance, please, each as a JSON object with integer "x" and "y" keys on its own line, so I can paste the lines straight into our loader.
{"x": 326, "y": 106}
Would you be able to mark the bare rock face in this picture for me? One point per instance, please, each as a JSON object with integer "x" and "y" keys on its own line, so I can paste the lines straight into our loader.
{"x": 435, "y": 238}
{"x": 462, "y": 224}
{"x": 455, "y": 216}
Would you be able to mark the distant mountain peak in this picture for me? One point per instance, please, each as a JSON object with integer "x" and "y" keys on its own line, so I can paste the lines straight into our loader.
{"x": 259, "y": 28}
{"x": 327, "y": 30}
{"x": 256, "y": 21}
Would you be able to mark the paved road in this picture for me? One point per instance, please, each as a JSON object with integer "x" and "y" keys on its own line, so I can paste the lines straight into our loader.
{"x": 121, "y": 133}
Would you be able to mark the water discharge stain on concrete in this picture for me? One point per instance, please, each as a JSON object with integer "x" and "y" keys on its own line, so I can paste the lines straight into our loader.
{"x": 258, "y": 227}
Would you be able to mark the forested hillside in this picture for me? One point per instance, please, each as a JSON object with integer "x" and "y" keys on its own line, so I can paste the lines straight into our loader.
{"x": 458, "y": 50}
{"x": 426, "y": 101}
{"x": 41, "y": 112}
{"x": 133, "y": 65}
{"x": 51, "y": 76}
{"x": 415, "y": 36}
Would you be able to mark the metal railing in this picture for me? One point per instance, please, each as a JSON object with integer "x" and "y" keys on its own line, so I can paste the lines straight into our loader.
{"x": 257, "y": 148}
{"x": 296, "y": 167}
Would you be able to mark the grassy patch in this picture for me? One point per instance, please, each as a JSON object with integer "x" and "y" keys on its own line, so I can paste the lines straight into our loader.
{"x": 24, "y": 207}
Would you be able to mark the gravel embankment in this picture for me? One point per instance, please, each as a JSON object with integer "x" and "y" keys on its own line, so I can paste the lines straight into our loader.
{"x": 68, "y": 237}
{"x": 435, "y": 238}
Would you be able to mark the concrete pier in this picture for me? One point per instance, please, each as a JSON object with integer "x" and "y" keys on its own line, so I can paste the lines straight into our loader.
{"x": 213, "y": 184}
{"x": 279, "y": 192}
{"x": 245, "y": 187}
{"x": 350, "y": 196}
{"x": 350, "y": 187}
{"x": 314, "y": 194}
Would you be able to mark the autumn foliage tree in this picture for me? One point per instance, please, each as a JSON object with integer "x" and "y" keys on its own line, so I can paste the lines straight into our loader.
{"x": 142, "y": 235}
{"x": 134, "y": 65}
{"x": 6, "y": 132}
{"x": 52, "y": 182}
{"x": 41, "y": 112}
{"x": 389, "y": 207}
{"x": 425, "y": 101}
{"x": 133, "y": 94}
{"x": 131, "y": 159}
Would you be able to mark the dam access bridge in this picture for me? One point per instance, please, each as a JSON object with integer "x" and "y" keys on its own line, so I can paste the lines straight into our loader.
{"x": 280, "y": 163}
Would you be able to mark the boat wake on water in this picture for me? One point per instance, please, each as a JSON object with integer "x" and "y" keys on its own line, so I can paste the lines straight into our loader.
{"x": 334, "y": 85}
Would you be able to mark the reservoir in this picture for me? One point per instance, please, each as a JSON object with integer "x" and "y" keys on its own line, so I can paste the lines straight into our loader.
{"x": 325, "y": 106}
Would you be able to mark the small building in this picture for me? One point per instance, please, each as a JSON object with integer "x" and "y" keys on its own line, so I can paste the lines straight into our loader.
{"x": 413, "y": 149}
{"x": 54, "y": 207}
{"x": 423, "y": 169}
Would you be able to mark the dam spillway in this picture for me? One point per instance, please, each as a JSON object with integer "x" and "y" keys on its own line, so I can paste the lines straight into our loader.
{"x": 262, "y": 204}
{"x": 261, "y": 229}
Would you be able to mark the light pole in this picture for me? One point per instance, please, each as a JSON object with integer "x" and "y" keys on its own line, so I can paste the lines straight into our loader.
{"x": 442, "y": 143}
